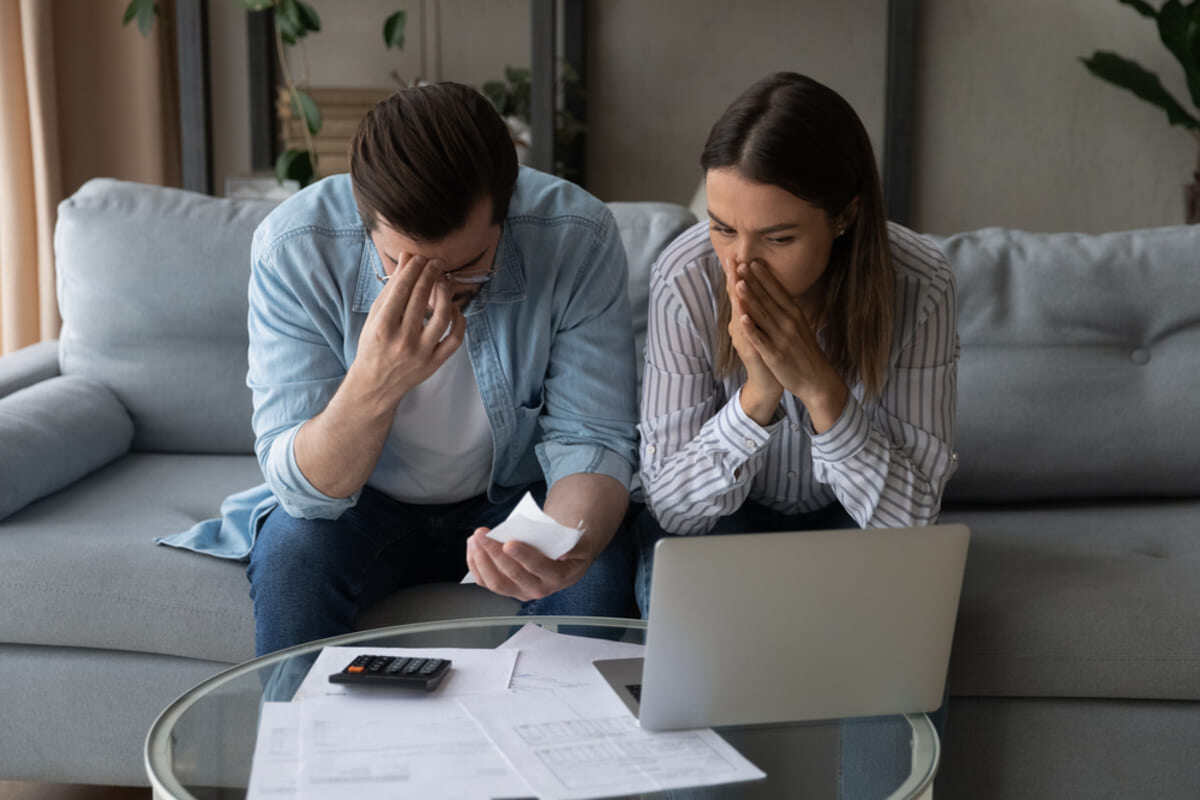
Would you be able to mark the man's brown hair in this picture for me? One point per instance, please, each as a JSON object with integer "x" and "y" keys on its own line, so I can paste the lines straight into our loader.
{"x": 423, "y": 157}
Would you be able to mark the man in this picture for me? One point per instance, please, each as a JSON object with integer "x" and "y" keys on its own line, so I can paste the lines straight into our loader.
{"x": 430, "y": 337}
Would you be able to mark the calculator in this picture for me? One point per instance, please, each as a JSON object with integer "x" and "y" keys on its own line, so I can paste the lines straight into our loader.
{"x": 404, "y": 672}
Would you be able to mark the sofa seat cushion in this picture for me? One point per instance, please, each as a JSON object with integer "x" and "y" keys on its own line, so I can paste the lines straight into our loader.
{"x": 1077, "y": 600}
{"x": 82, "y": 568}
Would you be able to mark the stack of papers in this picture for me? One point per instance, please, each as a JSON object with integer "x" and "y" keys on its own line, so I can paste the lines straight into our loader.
{"x": 530, "y": 718}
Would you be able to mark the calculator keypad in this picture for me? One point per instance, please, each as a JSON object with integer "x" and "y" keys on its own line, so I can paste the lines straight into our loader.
{"x": 415, "y": 672}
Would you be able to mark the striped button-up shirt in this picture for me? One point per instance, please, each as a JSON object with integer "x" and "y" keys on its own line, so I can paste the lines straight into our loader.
{"x": 886, "y": 460}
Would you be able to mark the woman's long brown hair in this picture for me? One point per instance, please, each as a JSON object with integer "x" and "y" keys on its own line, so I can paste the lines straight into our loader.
{"x": 790, "y": 131}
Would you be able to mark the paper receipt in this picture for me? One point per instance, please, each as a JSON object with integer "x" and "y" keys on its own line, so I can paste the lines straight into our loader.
{"x": 529, "y": 524}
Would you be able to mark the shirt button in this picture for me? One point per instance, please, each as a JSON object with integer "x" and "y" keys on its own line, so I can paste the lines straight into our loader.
{"x": 651, "y": 449}
{"x": 792, "y": 473}
{"x": 954, "y": 456}
{"x": 750, "y": 443}
{"x": 796, "y": 427}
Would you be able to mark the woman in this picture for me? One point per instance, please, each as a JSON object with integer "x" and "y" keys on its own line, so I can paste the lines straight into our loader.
{"x": 801, "y": 351}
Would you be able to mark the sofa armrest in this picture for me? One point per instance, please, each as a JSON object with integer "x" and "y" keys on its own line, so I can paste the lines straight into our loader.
{"x": 55, "y": 432}
{"x": 27, "y": 366}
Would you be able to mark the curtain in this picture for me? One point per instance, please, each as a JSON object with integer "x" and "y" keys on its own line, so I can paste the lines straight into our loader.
{"x": 81, "y": 96}
{"x": 30, "y": 183}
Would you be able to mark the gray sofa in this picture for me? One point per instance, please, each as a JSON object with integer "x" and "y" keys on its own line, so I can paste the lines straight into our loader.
{"x": 1076, "y": 665}
{"x": 1075, "y": 670}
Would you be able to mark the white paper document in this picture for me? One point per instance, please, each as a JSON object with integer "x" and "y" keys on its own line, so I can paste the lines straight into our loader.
{"x": 531, "y": 717}
{"x": 528, "y": 523}
{"x": 583, "y": 743}
{"x": 276, "y": 753}
{"x": 550, "y": 660}
{"x": 405, "y": 745}
{"x": 472, "y": 669}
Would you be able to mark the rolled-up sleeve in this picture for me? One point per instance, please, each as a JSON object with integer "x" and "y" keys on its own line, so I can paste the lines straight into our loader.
{"x": 888, "y": 467}
{"x": 699, "y": 451}
{"x": 294, "y": 370}
{"x": 589, "y": 420}
{"x": 886, "y": 459}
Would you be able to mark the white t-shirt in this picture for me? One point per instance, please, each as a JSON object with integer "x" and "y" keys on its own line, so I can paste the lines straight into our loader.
{"x": 440, "y": 447}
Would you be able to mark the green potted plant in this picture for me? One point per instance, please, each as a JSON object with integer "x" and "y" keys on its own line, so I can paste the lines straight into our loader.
{"x": 1179, "y": 28}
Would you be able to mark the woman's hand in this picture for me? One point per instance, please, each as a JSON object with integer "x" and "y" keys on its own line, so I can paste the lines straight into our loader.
{"x": 762, "y": 392}
{"x": 782, "y": 335}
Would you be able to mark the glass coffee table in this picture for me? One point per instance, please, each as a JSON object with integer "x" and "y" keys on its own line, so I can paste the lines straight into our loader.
{"x": 202, "y": 745}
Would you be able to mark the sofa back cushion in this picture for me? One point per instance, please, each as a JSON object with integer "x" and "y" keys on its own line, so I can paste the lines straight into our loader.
{"x": 152, "y": 289}
{"x": 1080, "y": 366}
{"x": 646, "y": 230}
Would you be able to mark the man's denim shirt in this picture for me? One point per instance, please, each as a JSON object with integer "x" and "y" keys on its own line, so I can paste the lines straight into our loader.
{"x": 550, "y": 339}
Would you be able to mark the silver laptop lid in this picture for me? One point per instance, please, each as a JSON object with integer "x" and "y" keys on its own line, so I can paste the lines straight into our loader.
{"x": 756, "y": 628}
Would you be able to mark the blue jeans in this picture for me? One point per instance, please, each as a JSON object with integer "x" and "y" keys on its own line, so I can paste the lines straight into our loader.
{"x": 874, "y": 753}
{"x": 310, "y": 578}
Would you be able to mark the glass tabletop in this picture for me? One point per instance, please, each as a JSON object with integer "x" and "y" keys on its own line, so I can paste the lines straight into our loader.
{"x": 202, "y": 745}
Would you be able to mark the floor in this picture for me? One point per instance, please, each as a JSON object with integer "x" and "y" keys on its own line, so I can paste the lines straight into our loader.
{"x": 20, "y": 790}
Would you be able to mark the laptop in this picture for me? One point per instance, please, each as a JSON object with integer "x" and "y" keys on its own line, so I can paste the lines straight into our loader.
{"x": 777, "y": 627}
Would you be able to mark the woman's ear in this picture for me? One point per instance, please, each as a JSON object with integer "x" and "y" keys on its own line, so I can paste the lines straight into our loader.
{"x": 850, "y": 213}
{"x": 845, "y": 219}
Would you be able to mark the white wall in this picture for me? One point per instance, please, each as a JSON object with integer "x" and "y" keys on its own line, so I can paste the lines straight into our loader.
{"x": 660, "y": 73}
{"x": 1014, "y": 131}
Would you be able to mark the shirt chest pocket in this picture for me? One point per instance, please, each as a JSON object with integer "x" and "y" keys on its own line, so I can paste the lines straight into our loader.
{"x": 527, "y": 414}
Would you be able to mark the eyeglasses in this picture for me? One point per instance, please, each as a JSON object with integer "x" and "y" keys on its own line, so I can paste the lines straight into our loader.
{"x": 467, "y": 280}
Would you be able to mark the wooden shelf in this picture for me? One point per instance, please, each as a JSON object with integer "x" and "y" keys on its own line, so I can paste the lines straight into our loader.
{"x": 341, "y": 112}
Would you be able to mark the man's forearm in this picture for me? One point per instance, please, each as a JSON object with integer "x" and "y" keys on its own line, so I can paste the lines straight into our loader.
{"x": 337, "y": 450}
{"x": 597, "y": 501}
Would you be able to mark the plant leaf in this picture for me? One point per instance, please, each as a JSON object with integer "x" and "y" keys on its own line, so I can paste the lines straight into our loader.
{"x": 1145, "y": 84}
{"x": 1173, "y": 24}
{"x": 144, "y": 11}
{"x": 521, "y": 101}
{"x": 304, "y": 107}
{"x": 497, "y": 92}
{"x": 308, "y": 16}
{"x": 1193, "y": 29}
{"x": 393, "y": 30}
{"x": 1142, "y": 7}
{"x": 296, "y": 165}
{"x": 289, "y": 20}
{"x": 516, "y": 75}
